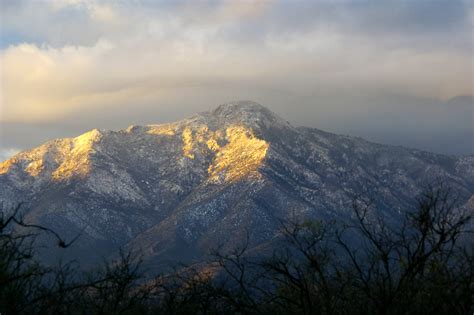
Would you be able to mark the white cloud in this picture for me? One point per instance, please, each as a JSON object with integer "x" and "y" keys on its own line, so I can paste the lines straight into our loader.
{"x": 84, "y": 59}
{"x": 44, "y": 83}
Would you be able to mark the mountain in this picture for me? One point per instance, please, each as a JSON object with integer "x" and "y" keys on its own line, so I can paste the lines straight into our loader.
{"x": 175, "y": 191}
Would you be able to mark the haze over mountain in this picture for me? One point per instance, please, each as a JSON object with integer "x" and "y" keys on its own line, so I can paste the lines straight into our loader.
{"x": 174, "y": 191}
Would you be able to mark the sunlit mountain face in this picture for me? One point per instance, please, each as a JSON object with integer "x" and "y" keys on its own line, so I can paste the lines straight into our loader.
{"x": 175, "y": 191}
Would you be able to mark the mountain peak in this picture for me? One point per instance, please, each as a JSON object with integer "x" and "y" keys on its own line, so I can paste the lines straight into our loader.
{"x": 240, "y": 106}
{"x": 247, "y": 113}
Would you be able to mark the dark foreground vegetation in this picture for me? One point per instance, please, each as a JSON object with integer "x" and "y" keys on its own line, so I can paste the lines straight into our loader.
{"x": 422, "y": 265}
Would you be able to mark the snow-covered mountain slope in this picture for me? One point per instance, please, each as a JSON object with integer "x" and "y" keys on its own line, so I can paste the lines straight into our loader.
{"x": 177, "y": 190}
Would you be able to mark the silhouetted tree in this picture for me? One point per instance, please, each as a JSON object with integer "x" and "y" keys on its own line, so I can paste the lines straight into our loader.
{"x": 367, "y": 265}
{"x": 422, "y": 265}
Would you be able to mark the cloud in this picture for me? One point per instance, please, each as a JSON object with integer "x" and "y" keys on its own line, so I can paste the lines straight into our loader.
{"x": 43, "y": 83}
{"x": 87, "y": 61}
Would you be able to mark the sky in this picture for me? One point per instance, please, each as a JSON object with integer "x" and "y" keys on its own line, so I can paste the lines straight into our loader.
{"x": 394, "y": 72}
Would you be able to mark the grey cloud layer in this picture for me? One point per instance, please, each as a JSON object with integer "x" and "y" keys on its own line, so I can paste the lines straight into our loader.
{"x": 359, "y": 67}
